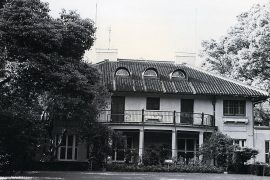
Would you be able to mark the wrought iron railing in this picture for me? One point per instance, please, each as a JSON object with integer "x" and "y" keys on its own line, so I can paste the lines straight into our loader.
{"x": 157, "y": 117}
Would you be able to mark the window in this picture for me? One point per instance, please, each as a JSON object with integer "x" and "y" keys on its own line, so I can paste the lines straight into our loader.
{"x": 68, "y": 148}
{"x": 240, "y": 142}
{"x": 267, "y": 152}
{"x": 122, "y": 72}
{"x": 150, "y": 73}
{"x": 178, "y": 74}
{"x": 234, "y": 108}
{"x": 120, "y": 150}
{"x": 152, "y": 103}
{"x": 187, "y": 149}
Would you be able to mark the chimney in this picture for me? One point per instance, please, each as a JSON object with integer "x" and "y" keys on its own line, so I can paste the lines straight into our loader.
{"x": 185, "y": 58}
{"x": 106, "y": 54}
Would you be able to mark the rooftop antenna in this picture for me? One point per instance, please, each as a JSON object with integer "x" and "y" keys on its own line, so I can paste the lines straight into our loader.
{"x": 110, "y": 30}
{"x": 196, "y": 34}
{"x": 96, "y": 15}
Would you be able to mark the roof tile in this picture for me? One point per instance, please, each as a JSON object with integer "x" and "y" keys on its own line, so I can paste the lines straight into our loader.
{"x": 202, "y": 82}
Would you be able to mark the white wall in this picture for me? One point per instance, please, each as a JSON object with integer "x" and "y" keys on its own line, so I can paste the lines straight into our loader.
{"x": 135, "y": 103}
{"x": 236, "y": 130}
{"x": 170, "y": 104}
{"x": 261, "y": 135}
{"x": 203, "y": 105}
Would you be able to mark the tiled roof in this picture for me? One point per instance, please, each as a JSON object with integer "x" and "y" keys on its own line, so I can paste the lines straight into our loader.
{"x": 198, "y": 82}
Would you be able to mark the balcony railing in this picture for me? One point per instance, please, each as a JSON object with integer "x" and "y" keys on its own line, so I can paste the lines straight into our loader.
{"x": 158, "y": 117}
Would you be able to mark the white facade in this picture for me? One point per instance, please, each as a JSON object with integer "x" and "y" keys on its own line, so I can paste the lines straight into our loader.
{"x": 262, "y": 136}
{"x": 239, "y": 128}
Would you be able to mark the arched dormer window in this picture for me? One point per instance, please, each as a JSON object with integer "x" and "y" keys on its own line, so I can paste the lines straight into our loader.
{"x": 123, "y": 72}
{"x": 178, "y": 74}
{"x": 150, "y": 72}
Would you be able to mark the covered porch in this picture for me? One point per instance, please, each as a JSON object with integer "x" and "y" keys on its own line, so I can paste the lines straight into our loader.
{"x": 182, "y": 145}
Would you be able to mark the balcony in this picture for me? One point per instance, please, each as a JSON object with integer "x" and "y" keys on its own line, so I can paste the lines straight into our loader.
{"x": 157, "y": 117}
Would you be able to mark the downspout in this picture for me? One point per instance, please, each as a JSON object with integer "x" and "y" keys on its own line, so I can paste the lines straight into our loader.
{"x": 214, "y": 109}
{"x": 253, "y": 134}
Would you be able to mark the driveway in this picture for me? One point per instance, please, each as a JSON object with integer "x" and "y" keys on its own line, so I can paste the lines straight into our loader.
{"x": 131, "y": 176}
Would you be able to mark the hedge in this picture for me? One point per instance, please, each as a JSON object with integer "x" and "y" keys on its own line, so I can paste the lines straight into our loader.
{"x": 159, "y": 168}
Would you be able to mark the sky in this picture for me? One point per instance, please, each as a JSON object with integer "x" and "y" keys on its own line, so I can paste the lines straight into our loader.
{"x": 155, "y": 29}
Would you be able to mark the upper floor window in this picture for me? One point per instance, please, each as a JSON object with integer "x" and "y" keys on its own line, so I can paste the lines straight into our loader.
{"x": 178, "y": 74}
{"x": 234, "y": 108}
{"x": 240, "y": 142}
{"x": 122, "y": 72}
{"x": 151, "y": 72}
{"x": 153, "y": 103}
{"x": 267, "y": 151}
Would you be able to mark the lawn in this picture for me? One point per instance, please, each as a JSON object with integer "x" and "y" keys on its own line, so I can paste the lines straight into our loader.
{"x": 131, "y": 176}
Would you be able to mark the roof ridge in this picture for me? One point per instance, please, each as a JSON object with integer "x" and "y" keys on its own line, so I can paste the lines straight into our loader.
{"x": 102, "y": 62}
{"x": 230, "y": 80}
{"x": 141, "y": 60}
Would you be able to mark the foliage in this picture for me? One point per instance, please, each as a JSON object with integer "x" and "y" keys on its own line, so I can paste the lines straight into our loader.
{"x": 261, "y": 115}
{"x": 155, "y": 155}
{"x": 98, "y": 138}
{"x": 244, "y": 52}
{"x": 44, "y": 79}
{"x": 159, "y": 168}
{"x": 59, "y": 166}
{"x": 218, "y": 147}
{"x": 240, "y": 158}
{"x": 244, "y": 154}
{"x": 131, "y": 156}
{"x": 261, "y": 169}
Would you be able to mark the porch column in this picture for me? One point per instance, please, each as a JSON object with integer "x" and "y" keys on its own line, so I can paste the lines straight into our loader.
{"x": 174, "y": 144}
{"x": 200, "y": 141}
{"x": 141, "y": 145}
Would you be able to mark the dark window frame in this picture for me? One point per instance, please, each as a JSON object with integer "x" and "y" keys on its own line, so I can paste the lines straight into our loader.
{"x": 122, "y": 72}
{"x": 267, "y": 151}
{"x": 178, "y": 75}
{"x": 234, "y": 107}
{"x": 146, "y": 75}
{"x": 67, "y": 145}
{"x": 152, "y": 103}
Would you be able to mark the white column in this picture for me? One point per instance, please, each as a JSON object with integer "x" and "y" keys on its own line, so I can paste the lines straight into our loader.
{"x": 141, "y": 144}
{"x": 174, "y": 144}
{"x": 200, "y": 142}
{"x": 200, "y": 138}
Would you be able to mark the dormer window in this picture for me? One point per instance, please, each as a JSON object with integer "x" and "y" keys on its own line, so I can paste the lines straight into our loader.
{"x": 178, "y": 74}
{"x": 122, "y": 72}
{"x": 151, "y": 72}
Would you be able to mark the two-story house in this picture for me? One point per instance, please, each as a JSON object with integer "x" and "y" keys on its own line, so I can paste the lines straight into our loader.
{"x": 156, "y": 102}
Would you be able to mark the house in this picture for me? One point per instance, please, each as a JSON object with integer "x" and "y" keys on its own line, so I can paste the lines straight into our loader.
{"x": 157, "y": 102}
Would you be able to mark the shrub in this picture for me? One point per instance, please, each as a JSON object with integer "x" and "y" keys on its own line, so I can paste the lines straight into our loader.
{"x": 131, "y": 156}
{"x": 160, "y": 168}
{"x": 218, "y": 147}
{"x": 4, "y": 163}
{"x": 155, "y": 155}
{"x": 243, "y": 155}
{"x": 260, "y": 169}
{"x": 240, "y": 157}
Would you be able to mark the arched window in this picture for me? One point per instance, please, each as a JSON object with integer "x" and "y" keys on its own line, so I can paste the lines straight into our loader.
{"x": 178, "y": 74}
{"x": 122, "y": 72}
{"x": 151, "y": 72}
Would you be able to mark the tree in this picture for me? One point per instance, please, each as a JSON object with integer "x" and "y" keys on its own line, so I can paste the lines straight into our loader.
{"x": 244, "y": 53}
{"x": 218, "y": 147}
{"x": 44, "y": 78}
{"x": 100, "y": 141}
